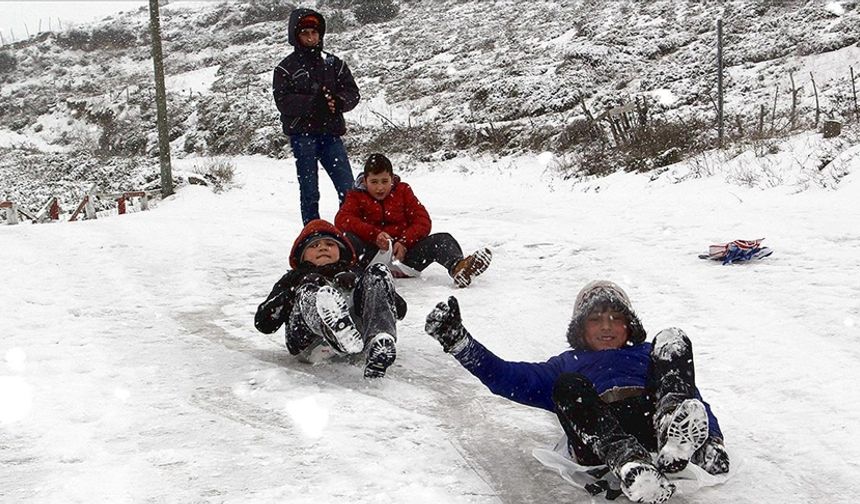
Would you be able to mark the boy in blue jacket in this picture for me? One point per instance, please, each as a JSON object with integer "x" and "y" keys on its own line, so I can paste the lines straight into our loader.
{"x": 616, "y": 396}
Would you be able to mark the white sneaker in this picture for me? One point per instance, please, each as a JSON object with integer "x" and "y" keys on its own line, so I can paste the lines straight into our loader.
{"x": 338, "y": 329}
{"x": 642, "y": 482}
{"x": 686, "y": 430}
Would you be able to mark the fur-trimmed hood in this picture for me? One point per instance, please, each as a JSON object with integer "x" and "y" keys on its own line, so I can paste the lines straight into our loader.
{"x": 598, "y": 295}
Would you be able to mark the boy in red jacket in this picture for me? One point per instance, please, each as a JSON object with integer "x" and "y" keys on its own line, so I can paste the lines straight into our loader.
{"x": 382, "y": 211}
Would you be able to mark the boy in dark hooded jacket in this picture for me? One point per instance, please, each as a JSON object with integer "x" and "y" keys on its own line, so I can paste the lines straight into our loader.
{"x": 312, "y": 90}
{"x": 382, "y": 211}
{"x": 616, "y": 396}
{"x": 327, "y": 303}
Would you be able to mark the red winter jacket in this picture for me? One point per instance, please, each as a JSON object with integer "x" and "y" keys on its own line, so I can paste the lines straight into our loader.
{"x": 400, "y": 214}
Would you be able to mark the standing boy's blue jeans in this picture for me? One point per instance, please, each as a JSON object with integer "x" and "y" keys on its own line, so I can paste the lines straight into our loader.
{"x": 331, "y": 153}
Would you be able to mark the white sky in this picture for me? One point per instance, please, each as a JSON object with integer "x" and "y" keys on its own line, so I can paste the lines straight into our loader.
{"x": 130, "y": 370}
{"x": 14, "y": 14}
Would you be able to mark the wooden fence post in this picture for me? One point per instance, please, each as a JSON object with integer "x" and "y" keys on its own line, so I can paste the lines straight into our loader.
{"x": 815, "y": 91}
{"x": 794, "y": 92}
{"x": 11, "y": 211}
{"x": 773, "y": 111}
{"x": 720, "y": 82}
{"x": 854, "y": 90}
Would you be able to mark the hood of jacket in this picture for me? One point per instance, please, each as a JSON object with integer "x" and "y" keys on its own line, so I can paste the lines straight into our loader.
{"x": 599, "y": 295}
{"x": 293, "y": 32}
{"x": 320, "y": 228}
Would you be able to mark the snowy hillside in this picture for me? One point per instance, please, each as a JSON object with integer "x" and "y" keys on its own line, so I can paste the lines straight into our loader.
{"x": 438, "y": 80}
{"x": 131, "y": 370}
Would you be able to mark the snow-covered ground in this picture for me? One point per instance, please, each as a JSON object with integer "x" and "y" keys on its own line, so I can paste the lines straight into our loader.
{"x": 131, "y": 370}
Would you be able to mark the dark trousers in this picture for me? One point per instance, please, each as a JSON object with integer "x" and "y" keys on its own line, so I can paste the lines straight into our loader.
{"x": 625, "y": 430}
{"x": 329, "y": 150}
{"x": 374, "y": 303}
{"x": 375, "y": 310}
{"x": 440, "y": 248}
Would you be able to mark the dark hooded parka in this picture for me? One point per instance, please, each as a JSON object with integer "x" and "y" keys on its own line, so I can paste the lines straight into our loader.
{"x": 299, "y": 80}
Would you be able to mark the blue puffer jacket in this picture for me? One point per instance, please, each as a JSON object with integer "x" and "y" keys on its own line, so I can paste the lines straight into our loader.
{"x": 531, "y": 383}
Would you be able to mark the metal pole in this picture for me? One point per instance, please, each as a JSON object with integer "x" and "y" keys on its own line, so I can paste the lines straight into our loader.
{"x": 720, "y": 80}
{"x": 160, "y": 100}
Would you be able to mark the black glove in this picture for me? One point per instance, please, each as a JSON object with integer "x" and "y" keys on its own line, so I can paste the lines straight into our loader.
{"x": 320, "y": 103}
{"x": 444, "y": 324}
{"x": 275, "y": 303}
{"x": 712, "y": 457}
{"x": 345, "y": 280}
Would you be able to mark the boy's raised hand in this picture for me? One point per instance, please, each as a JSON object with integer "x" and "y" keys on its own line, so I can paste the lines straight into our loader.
{"x": 444, "y": 324}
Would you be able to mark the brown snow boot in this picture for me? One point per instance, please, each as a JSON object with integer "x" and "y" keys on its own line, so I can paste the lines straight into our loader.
{"x": 471, "y": 266}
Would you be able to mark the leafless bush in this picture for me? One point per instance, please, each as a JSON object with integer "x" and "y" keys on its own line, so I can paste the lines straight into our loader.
{"x": 414, "y": 139}
{"x": 375, "y": 11}
{"x": 664, "y": 142}
{"x": 99, "y": 38}
{"x": 259, "y": 11}
{"x": 8, "y": 62}
{"x": 218, "y": 172}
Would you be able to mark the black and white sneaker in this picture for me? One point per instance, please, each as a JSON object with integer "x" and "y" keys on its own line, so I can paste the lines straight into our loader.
{"x": 642, "y": 482}
{"x": 338, "y": 329}
{"x": 381, "y": 352}
{"x": 681, "y": 434}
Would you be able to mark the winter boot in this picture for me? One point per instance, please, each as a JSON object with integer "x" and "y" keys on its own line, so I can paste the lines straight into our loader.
{"x": 642, "y": 482}
{"x": 469, "y": 267}
{"x": 298, "y": 335}
{"x": 681, "y": 433}
{"x": 381, "y": 353}
{"x": 338, "y": 329}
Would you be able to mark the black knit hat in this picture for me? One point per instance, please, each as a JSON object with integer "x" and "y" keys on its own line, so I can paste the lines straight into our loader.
{"x": 378, "y": 163}
{"x": 321, "y": 235}
{"x": 602, "y": 295}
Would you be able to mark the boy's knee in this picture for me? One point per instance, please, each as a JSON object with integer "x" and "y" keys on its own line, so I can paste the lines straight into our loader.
{"x": 378, "y": 269}
{"x": 445, "y": 236}
{"x": 379, "y": 273}
{"x": 671, "y": 343}
{"x": 573, "y": 387}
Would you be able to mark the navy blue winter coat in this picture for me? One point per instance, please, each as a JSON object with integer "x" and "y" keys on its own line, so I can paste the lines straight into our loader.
{"x": 298, "y": 81}
{"x": 531, "y": 383}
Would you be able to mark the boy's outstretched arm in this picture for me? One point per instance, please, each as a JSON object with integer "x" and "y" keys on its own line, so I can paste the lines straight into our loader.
{"x": 528, "y": 383}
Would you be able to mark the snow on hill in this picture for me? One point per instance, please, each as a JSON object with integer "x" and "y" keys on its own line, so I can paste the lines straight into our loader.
{"x": 438, "y": 80}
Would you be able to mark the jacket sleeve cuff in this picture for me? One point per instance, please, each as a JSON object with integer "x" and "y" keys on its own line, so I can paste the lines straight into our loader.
{"x": 461, "y": 347}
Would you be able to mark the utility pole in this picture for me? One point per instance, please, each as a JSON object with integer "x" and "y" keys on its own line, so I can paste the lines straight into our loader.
{"x": 720, "y": 80}
{"x": 160, "y": 101}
